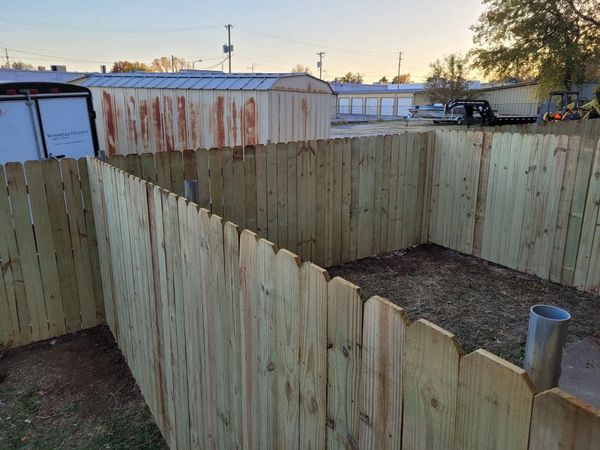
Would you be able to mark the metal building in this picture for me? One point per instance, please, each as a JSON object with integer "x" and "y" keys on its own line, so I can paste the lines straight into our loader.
{"x": 154, "y": 112}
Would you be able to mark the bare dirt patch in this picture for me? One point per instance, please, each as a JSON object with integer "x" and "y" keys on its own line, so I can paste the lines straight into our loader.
{"x": 483, "y": 304}
{"x": 73, "y": 392}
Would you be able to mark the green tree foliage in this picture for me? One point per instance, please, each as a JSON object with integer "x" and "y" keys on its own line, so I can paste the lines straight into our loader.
{"x": 129, "y": 66}
{"x": 447, "y": 79}
{"x": 350, "y": 77}
{"x": 383, "y": 80}
{"x": 300, "y": 68}
{"x": 553, "y": 41}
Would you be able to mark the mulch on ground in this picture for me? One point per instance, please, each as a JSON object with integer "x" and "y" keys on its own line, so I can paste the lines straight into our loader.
{"x": 75, "y": 391}
{"x": 484, "y": 305}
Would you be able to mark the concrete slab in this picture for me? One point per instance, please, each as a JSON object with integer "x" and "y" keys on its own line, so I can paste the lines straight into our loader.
{"x": 581, "y": 370}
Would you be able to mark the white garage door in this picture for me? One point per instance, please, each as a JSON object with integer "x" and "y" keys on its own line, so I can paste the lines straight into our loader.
{"x": 357, "y": 106}
{"x": 371, "y": 106}
{"x": 387, "y": 106}
{"x": 402, "y": 106}
{"x": 344, "y": 107}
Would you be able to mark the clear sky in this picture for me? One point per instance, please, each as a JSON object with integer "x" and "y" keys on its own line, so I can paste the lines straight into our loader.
{"x": 356, "y": 36}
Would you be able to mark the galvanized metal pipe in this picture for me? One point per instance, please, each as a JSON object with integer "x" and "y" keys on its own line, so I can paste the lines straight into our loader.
{"x": 546, "y": 339}
{"x": 189, "y": 189}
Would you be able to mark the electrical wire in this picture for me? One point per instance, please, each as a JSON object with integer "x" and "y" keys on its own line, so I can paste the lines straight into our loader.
{"x": 56, "y": 26}
{"x": 320, "y": 46}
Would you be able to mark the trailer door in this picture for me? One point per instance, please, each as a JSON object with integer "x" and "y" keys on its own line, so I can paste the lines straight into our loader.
{"x": 19, "y": 134}
{"x": 66, "y": 127}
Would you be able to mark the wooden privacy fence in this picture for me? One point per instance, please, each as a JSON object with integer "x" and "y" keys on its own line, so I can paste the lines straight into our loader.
{"x": 330, "y": 201}
{"x": 528, "y": 202}
{"x": 236, "y": 346}
{"x": 50, "y": 279}
{"x": 585, "y": 128}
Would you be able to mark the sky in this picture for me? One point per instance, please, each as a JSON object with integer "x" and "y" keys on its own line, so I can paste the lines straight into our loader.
{"x": 357, "y": 36}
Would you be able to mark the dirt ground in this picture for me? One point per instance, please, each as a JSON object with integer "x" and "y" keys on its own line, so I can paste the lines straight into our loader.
{"x": 72, "y": 392}
{"x": 483, "y": 304}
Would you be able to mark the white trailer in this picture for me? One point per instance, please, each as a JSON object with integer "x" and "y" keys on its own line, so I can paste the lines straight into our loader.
{"x": 46, "y": 120}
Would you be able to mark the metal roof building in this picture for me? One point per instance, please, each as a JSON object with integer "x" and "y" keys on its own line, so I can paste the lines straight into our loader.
{"x": 152, "y": 112}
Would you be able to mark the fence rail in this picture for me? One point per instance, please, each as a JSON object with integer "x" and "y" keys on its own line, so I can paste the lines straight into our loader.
{"x": 287, "y": 358}
{"x": 50, "y": 278}
{"x": 329, "y": 201}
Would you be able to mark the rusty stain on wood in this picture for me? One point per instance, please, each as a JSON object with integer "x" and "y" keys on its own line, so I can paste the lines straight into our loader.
{"x": 304, "y": 106}
{"x": 220, "y": 112}
{"x": 131, "y": 121}
{"x": 250, "y": 122}
{"x": 169, "y": 138}
{"x": 144, "y": 124}
{"x": 109, "y": 122}
{"x": 181, "y": 122}
{"x": 195, "y": 124}
{"x": 234, "y": 119}
{"x": 157, "y": 121}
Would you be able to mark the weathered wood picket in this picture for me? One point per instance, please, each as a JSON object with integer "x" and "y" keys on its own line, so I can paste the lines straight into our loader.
{"x": 528, "y": 202}
{"x": 235, "y": 345}
{"x": 329, "y": 201}
{"x": 50, "y": 278}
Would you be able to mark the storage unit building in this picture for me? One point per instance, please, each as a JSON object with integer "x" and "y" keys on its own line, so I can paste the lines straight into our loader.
{"x": 153, "y": 112}
{"x": 378, "y": 99}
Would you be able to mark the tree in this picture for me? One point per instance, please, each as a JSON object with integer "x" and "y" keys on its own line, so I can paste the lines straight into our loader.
{"x": 300, "y": 68}
{"x": 553, "y": 41}
{"x": 19, "y": 65}
{"x": 129, "y": 66}
{"x": 383, "y": 80}
{"x": 350, "y": 77}
{"x": 170, "y": 64}
{"x": 447, "y": 79}
{"x": 403, "y": 78}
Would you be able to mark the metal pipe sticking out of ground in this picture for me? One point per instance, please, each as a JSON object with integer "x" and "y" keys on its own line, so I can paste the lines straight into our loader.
{"x": 546, "y": 339}
{"x": 189, "y": 189}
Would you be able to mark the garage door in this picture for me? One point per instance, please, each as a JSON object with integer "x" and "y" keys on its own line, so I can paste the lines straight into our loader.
{"x": 357, "y": 106}
{"x": 387, "y": 106}
{"x": 344, "y": 107}
{"x": 372, "y": 106}
{"x": 402, "y": 106}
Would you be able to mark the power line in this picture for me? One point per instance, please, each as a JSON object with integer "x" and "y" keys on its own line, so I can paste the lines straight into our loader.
{"x": 307, "y": 44}
{"x": 72, "y": 27}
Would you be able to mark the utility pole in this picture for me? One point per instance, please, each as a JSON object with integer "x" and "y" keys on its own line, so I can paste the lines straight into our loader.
{"x": 228, "y": 48}
{"x": 172, "y": 63}
{"x": 7, "y": 60}
{"x": 320, "y": 64}
{"x": 251, "y": 67}
{"x": 399, "y": 63}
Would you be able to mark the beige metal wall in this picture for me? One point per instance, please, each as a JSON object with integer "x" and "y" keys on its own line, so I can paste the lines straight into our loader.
{"x": 298, "y": 116}
{"x": 518, "y": 100}
{"x": 132, "y": 120}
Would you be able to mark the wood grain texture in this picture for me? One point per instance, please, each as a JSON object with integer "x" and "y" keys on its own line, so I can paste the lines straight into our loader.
{"x": 561, "y": 421}
{"x": 430, "y": 384}
{"x": 384, "y": 332}
{"x": 494, "y": 405}
{"x": 344, "y": 335}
